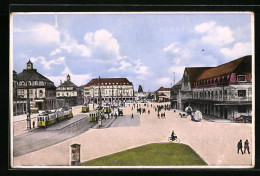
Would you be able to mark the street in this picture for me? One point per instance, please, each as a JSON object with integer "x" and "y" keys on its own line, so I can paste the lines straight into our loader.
{"x": 44, "y": 137}
{"x": 214, "y": 142}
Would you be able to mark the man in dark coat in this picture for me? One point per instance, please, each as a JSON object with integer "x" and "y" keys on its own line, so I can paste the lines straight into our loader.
{"x": 246, "y": 147}
{"x": 239, "y": 147}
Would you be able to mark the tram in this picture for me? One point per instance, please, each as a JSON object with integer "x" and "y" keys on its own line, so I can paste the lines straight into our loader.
{"x": 49, "y": 117}
{"x": 107, "y": 109}
{"x": 85, "y": 108}
{"x": 93, "y": 116}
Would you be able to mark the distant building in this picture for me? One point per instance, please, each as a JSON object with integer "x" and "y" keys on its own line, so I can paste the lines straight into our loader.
{"x": 42, "y": 91}
{"x": 112, "y": 90}
{"x": 140, "y": 95}
{"x": 69, "y": 94}
{"x": 163, "y": 94}
{"x": 174, "y": 93}
{"x": 224, "y": 91}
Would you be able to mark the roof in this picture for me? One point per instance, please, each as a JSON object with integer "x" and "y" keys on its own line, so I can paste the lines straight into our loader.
{"x": 238, "y": 65}
{"x": 195, "y": 72}
{"x": 31, "y": 75}
{"x": 68, "y": 84}
{"x": 164, "y": 89}
{"x": 117, "y": 81}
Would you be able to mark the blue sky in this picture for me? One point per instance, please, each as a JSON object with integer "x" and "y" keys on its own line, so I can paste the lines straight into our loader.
{"x": 146, "y": 48}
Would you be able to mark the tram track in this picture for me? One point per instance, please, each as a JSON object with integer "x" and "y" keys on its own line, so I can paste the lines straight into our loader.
{"x": 42, "y": 138}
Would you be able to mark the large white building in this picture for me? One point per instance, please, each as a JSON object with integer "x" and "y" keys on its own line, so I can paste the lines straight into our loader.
{"x": 112, "y": 90}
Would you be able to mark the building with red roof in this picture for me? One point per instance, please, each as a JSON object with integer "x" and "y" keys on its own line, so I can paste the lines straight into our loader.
{"x": 112, "y": 90}
{"x": 163, "y": 94}
{"x": 224, "y": 91}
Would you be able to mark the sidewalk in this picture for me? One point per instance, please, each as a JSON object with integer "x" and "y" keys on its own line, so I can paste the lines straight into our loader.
{"x": 215, "y": 119}
{"x": 22, "y": 117}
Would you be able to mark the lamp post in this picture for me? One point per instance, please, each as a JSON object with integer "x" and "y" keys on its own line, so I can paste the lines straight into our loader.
{"x": 99, "y": 108}
{"x": 28, "y": 109}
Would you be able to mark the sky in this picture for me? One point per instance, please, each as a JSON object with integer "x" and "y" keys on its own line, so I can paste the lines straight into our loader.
{"x": 149, "y": 49}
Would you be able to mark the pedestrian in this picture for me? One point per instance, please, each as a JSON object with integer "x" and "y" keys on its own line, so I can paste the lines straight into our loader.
{"x": 132, "y": 108}
{"x": 115, "y": 115}
{"x": 148, "y": 111}
{"x": 239, "y": 147}
{"x": 158, "y": 115}
{"x": 164, "y": 115}
{"x": 132, "y": 116}
{"x": 33, "y": 124}
{"x": 246, "y": 147}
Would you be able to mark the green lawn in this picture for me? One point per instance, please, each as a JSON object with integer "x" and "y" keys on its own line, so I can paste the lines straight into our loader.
{"x": 158, "y": 154}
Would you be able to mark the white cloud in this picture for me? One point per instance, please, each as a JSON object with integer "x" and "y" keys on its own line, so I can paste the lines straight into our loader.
{"x": 54, "y": 52}
{"x": 104, "y": 42}
{"x": 71, "y": 46}
{"x": 205, "y": 26}
{"x": 40, "y": 33}
{"x": 178, "y": 53}
{"x": 238, "y": 50}
{"x": 78, "y": 79}
{"x": 47, "y": 64}
{"x": 214, "y": 34}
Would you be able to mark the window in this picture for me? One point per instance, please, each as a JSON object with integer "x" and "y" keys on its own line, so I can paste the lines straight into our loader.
{"x": 241, "y": 78}
{"x": 241, "y": 93}
{"x": 41, "y": 93}
{"x": 216, "y": 94}
{"x": 220, "y": 94}
{"x": 225, "y": 93}
{"x": 208, "y": 94}
{"x": 242, "y": 109}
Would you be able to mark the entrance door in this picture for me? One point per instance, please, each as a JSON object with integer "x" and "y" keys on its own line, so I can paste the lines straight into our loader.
{"x": 39, "y": 105}
{"x": 226, "y": 113}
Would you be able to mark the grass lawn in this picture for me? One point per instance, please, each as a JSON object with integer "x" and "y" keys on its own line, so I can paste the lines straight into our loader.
{"x": 157, "y": 154}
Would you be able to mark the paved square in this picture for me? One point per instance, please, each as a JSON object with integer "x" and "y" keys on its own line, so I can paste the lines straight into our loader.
{"x": 215, "y": 142}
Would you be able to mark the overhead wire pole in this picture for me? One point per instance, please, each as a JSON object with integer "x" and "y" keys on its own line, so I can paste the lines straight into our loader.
{"x": 99, "y": 108}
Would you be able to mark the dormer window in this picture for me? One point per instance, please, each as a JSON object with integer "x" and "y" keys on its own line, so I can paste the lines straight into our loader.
{"x": 241, "y": 78}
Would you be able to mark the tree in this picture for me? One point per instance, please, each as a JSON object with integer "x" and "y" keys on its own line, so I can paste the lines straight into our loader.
{"x": 140, "y": 89}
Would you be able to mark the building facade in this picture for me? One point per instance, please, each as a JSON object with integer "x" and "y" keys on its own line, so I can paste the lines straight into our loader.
{"x": 224, "y": 91}
{"x": 30, "y": 88}
{"x": 112, "y": 90}
{"x": 69, "y": 94}
{"x": 163, "y": 94}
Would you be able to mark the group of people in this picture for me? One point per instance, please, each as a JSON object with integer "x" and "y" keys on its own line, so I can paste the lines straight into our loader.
{"x": 240, "y": 147}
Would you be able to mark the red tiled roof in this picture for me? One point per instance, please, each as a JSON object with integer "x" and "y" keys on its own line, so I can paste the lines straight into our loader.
{"x": 106, "y": 81}
{"x": 243, "y": 63}
{"x": 164, "y": 89}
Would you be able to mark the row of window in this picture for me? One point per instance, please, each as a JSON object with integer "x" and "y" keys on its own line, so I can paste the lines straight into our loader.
{"x": 64, "y": 94}
{"x": 219, "y": 80}
{"x": 34, "y": 83}
{"x": 216, "y": 94}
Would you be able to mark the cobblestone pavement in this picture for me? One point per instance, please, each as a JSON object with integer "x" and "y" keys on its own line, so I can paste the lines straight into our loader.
{"x": 215, "y": 142}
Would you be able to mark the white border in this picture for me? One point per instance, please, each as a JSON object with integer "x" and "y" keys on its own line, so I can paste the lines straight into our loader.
{"x": 131, "y": 167}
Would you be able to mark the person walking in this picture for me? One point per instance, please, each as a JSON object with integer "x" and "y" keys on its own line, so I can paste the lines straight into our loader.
{"x": 33, "y": 124}
{"x": 246, "y": 147}
{"x": 239, "y": 147}
{"x": 158, "y": 115}
{"x": 132, "y": 116}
